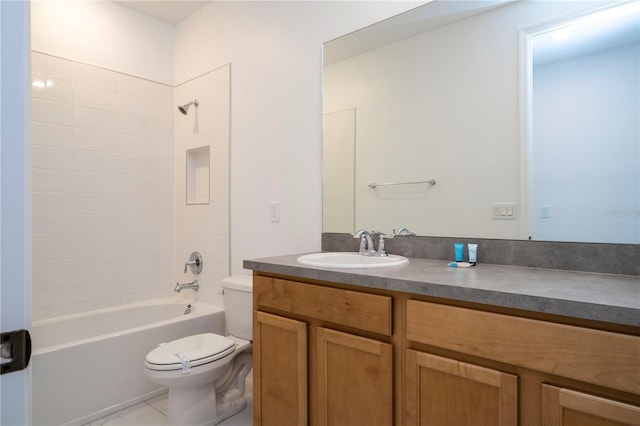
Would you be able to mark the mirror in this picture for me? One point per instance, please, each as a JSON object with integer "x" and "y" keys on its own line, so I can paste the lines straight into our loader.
{"x": 449, "y": 91}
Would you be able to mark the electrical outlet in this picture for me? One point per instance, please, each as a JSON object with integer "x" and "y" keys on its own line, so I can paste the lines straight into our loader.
{"x": 504, "y": 211}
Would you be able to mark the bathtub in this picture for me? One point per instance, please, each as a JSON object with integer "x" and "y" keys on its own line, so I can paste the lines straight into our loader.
{"x": 85, "y": 366}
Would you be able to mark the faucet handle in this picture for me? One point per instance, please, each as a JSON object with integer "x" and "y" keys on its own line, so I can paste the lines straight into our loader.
{"x": 361, "y": 233}
{"x": 403, "y": 231}
{"x": 195, "y": 263}
{"x": 382, "y": 250}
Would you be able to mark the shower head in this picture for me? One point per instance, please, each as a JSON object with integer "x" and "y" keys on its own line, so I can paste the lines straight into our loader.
{"x": 184, "y": 108}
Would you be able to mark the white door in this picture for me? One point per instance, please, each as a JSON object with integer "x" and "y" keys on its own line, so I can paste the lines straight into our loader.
{"x": 15, "y": 199}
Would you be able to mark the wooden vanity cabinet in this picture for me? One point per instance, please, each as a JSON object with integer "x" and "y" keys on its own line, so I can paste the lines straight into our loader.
{"x": 566, "y": 407}
{"x": 280, "y": 370}
{"x": 316, "y": 358}
{"x": 445, "y": 392}
{"x": 331, "y": 354}
{"x": 541, "y": 354}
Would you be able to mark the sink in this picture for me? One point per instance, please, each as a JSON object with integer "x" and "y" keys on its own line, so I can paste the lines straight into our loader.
{"x": 351, "y": 260}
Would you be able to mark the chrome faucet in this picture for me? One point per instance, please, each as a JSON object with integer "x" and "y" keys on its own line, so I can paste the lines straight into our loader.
{"x": 367, "y": 246}
{"x": 194, "y": 285}
{"x": 403, "y": 231}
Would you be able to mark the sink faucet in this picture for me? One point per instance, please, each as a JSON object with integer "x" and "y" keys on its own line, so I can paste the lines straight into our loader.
{"x": 194, "y": 285}
{"x": 367, "y": 246}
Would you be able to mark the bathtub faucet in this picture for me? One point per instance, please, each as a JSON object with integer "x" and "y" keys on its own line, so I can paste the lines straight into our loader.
{"x": 194, "y": 285}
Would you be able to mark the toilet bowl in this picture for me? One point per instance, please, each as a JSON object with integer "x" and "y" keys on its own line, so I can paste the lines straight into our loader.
{"x": 205, "y": 373}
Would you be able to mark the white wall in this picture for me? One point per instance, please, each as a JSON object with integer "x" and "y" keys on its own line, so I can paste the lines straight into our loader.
{"x": 275, "y": 49}
{"x": 105, "y": 34}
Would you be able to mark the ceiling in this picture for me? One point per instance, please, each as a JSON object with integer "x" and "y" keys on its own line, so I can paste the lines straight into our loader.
{"x": 172, "y": 12}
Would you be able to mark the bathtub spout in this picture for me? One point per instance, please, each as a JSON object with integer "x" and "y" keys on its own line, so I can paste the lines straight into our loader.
{"x": 194, "y": 285}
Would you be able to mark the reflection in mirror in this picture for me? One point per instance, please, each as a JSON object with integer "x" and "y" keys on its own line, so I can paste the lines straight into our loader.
{"x": 446, "y": 104}
{"x": 585, "y": 105}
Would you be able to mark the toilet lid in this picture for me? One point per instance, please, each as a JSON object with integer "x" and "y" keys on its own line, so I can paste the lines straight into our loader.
{"x": 199, "y": 349}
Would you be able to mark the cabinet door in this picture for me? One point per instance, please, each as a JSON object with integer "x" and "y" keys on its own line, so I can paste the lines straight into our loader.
{"x": 280, "y": 371}
{"x": 445, "y": 392}
{"x": 355, "y": 380}
{"x": 564, "y": 407}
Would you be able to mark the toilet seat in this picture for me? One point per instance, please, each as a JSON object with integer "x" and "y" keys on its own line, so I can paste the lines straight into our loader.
{"x": 200, "y": 349}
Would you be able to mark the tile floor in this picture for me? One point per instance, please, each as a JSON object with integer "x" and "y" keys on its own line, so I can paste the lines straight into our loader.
{"x": 153, "y": 413}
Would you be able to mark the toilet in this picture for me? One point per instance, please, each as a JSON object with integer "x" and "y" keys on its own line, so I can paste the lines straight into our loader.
{"x": 206, "y": 372}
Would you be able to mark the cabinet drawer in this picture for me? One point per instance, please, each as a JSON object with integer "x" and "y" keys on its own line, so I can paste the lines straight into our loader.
{"x": 593, "y": 356}
{"x": 368, "y": 312}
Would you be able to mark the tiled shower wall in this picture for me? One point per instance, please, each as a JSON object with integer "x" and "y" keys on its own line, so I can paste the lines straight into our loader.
{"x": 103, "y": 187}
{"x": 204, "y": 227}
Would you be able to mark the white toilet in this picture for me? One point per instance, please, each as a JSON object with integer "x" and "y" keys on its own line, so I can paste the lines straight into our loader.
{"x": 206, "y": 372}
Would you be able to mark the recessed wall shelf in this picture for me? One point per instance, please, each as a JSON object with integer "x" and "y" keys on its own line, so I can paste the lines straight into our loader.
{"x": 198, "y": 171}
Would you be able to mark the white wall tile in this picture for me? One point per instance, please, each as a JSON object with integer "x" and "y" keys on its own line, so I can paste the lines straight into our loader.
{"x": 107, "y": 100}
{"x": 38, "y": 86}
{"x": 39, "y": 157}
{"x": 97, "y": 165}
{"x": 204, "y": 227}
{"x": 38, "y": 63}
{"x": 85, "y": 95}
{"x": 58, "y": 113}
{"x": 84, "y": 161}
{"x": 59, "y": 68}
{"x": 39, "y": 181}
{"x": 128, "y": 85}
{"x": 107, "y": 162}
{"x": 39, "y": 203}
{"x": 59, "y": 91}
{"x": 107, "y": 80}
{"x": 59, "y": 158}
{"x": 60, "y": 181}
{"x": 38, "y": 110}
{"x": 59, "y": 136}
{"x": 86, "y": 182}
{"x": 84, "y": 74}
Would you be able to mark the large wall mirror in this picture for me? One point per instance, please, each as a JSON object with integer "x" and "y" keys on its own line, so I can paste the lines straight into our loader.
{"x": 477, "y": 119}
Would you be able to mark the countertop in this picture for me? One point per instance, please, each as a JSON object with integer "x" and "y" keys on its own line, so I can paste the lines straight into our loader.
{"x": 585, "y": 295}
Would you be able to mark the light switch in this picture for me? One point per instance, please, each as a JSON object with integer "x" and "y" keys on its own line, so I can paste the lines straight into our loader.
{"x": 504, "y": 211}
{"x": 274, "y": 212}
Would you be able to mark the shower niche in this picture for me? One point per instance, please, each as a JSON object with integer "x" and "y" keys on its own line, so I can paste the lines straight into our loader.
{"x": 198, "y": 171}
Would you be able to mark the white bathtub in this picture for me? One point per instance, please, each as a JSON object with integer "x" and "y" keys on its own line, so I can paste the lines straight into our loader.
{"x": 88, "y": 365}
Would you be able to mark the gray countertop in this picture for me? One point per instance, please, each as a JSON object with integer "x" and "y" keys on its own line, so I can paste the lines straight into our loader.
{"x": 600, "y": 297}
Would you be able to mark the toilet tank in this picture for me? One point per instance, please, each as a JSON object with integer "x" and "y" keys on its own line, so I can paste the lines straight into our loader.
{"x": 238, "y": 305}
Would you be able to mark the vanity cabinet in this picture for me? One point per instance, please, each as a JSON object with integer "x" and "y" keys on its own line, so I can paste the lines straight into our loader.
{"x": 332, "y": 354}
{"x": 280, "y": 370}
{"x": 446, "y": 392}
{"x": 565, "y": 407}
{"x": 322, "y": 355}
{"x": 541, "y": 355}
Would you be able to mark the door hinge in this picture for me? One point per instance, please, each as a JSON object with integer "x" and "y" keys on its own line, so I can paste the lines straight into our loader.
{"x": 15, "y": 350}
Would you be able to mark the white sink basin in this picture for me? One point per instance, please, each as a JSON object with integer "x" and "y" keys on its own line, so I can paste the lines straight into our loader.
{"x": 351, "y": 260}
